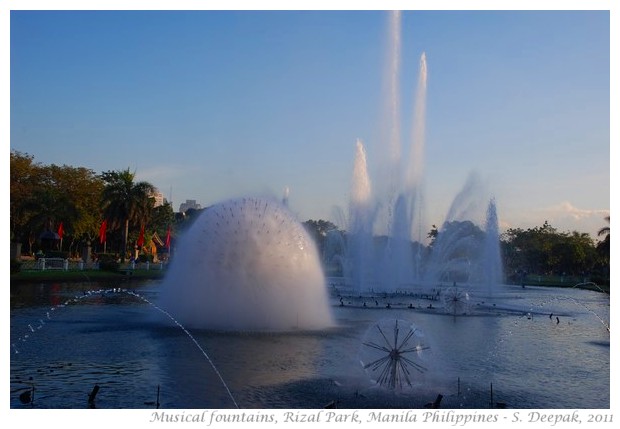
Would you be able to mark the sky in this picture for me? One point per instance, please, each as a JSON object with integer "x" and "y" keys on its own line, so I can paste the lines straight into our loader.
{"x": 213, "y": 104}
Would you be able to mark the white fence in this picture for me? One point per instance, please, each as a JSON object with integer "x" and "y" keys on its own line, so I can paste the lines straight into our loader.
{"x": 43, "y": 264}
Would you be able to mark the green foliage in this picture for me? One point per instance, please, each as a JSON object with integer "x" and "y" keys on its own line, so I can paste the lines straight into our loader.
{"x": 126, "y": 203}
{"x": 56, "y": 254}
{"x": 318, "y": 230}
{"x": 432, "y": 235}
{"x": 15, "y": 266}
{"x": 144, "y": 258}
{"x": 162, "y": 217}
{"x": 603, "y": 248}
{"x": 545, "y": 251}
{"x": 42, "y": 195}
{"x": 109, "y": 266}
{"x": 108, "y": 262}
{"x": 106, "y": 257}
{"x": 183, "y": 220}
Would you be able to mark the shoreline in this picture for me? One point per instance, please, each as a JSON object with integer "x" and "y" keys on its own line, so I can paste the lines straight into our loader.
{"x": 85, "y": 275}
{"x": 143, "y": 274}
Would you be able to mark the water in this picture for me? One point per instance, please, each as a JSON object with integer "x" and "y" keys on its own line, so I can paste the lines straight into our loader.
{"x": 247, "y": 264}
{"x": 140, "y": 357}
{"x": 384, "y": 250}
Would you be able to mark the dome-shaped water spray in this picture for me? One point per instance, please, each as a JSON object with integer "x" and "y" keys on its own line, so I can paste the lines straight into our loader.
{"x": 247, "y": 264}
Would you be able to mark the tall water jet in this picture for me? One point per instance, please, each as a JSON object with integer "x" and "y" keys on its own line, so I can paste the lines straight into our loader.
{"x": 361, "y": 216}
{"x": 402, "y": 259}
{"x": 393, "y": 88}
{"x": 285, "y": 197}
{"x": 466, "y": 248}
{"x": 384, "y": 249}
{"x": 397, "y": 267}
{"x": 389, "y": 174}
{"x": 247, "y": 264}
{"x": 456, "y": 244}
{"x": 493, "y": 269}
{"x": 416, "y": 156}
{"x": 361, "y": 190}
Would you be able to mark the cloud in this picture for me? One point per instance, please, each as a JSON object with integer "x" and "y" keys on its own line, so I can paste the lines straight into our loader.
{"x": 567, "y": 210}
{"x": 564, "y": 216}
{"x": 163, "y": 174}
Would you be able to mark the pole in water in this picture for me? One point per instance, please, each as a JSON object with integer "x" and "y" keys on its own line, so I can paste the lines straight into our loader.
{"x": 458, "y": 386}
{"x": 156, "y": 403}
{"x": 491, "y": 403}
{"x": 27, "y": 397}
{"x": 91, "y": 396}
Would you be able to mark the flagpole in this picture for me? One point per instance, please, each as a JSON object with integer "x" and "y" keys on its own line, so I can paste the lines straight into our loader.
{"x": 61, "y": 232}
{"x": 102, "y": 234}
{"x": 168, "y": 243}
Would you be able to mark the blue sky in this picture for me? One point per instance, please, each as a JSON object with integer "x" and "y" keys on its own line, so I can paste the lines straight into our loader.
{"x": 208, "y": 105}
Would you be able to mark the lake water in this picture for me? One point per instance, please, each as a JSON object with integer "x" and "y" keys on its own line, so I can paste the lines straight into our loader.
{"x": 518, "y": 347}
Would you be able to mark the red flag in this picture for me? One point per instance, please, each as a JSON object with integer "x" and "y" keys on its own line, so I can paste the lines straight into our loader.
{"x": 140, "y": 242}
{"x": 102, "y": 229}
{"x": 61, "y": 230}
{"x": 168, "y": 238}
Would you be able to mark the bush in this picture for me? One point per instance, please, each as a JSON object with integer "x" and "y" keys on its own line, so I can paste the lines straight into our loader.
{"x": 108, "y": 265}
{"x": 107, "y": 257}
{"x": 16, "y": 266}
{"x": 144, "y": 258}
{"x": 56, "y": 254}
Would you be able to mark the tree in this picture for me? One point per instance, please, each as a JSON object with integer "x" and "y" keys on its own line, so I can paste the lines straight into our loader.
{"x": 603, "y": 247}
{"x": 318, "y": 230}
{"x": 82, "y": 188}
{"x": 125, "y": 202}
{"x": 544, "y": 250}
{"x": 44, "y": 195}
{"x": 432, "y": 235}
{"x": 23, "y": 172}
{"x": 162, "y": 217}
{"x": 604, "y": 231}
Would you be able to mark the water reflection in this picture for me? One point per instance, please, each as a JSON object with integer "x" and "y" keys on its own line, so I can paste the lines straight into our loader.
{"x": 66, "y": 339}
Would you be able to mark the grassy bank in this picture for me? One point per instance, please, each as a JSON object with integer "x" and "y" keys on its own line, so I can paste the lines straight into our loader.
{"x": 556, "y": 281}
{"x": 84, "y": 275}
{"x": 29, "y": 276}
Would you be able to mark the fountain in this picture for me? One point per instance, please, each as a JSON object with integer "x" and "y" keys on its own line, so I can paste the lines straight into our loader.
{"x": 361, "y": 217}
{"x": 247, "y": 264}
{"x": 463, "y": 251}
{"x": 384, "y": 250}
{"x": 392, "y": 351}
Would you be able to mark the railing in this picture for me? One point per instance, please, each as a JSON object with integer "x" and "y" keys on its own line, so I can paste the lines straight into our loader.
{"x": 53, "y": 264}
{"x": 43, "y": 264}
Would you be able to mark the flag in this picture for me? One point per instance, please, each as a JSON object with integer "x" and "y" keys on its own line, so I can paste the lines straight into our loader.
{"x": 102, "y": 229}
{"x": 140, "y": 242}
{"x": 168, "y": 238}
{"x": 61, "y": 231}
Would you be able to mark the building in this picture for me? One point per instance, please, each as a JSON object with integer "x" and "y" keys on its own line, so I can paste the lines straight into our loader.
{"x": 189, "y": 204}
{"x": 159, "y": 198}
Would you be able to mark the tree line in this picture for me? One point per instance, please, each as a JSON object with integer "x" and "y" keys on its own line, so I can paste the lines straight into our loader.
{"x": 77, "y": 202}
{"x": 43, "y": 196}
{"x": 537, "y": 251}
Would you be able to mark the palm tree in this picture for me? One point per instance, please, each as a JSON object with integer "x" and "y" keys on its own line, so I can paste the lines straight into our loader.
{"x": 604, "y": 231}
{"x": 126, "y": 202}
{"x": 604, "y": 247}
